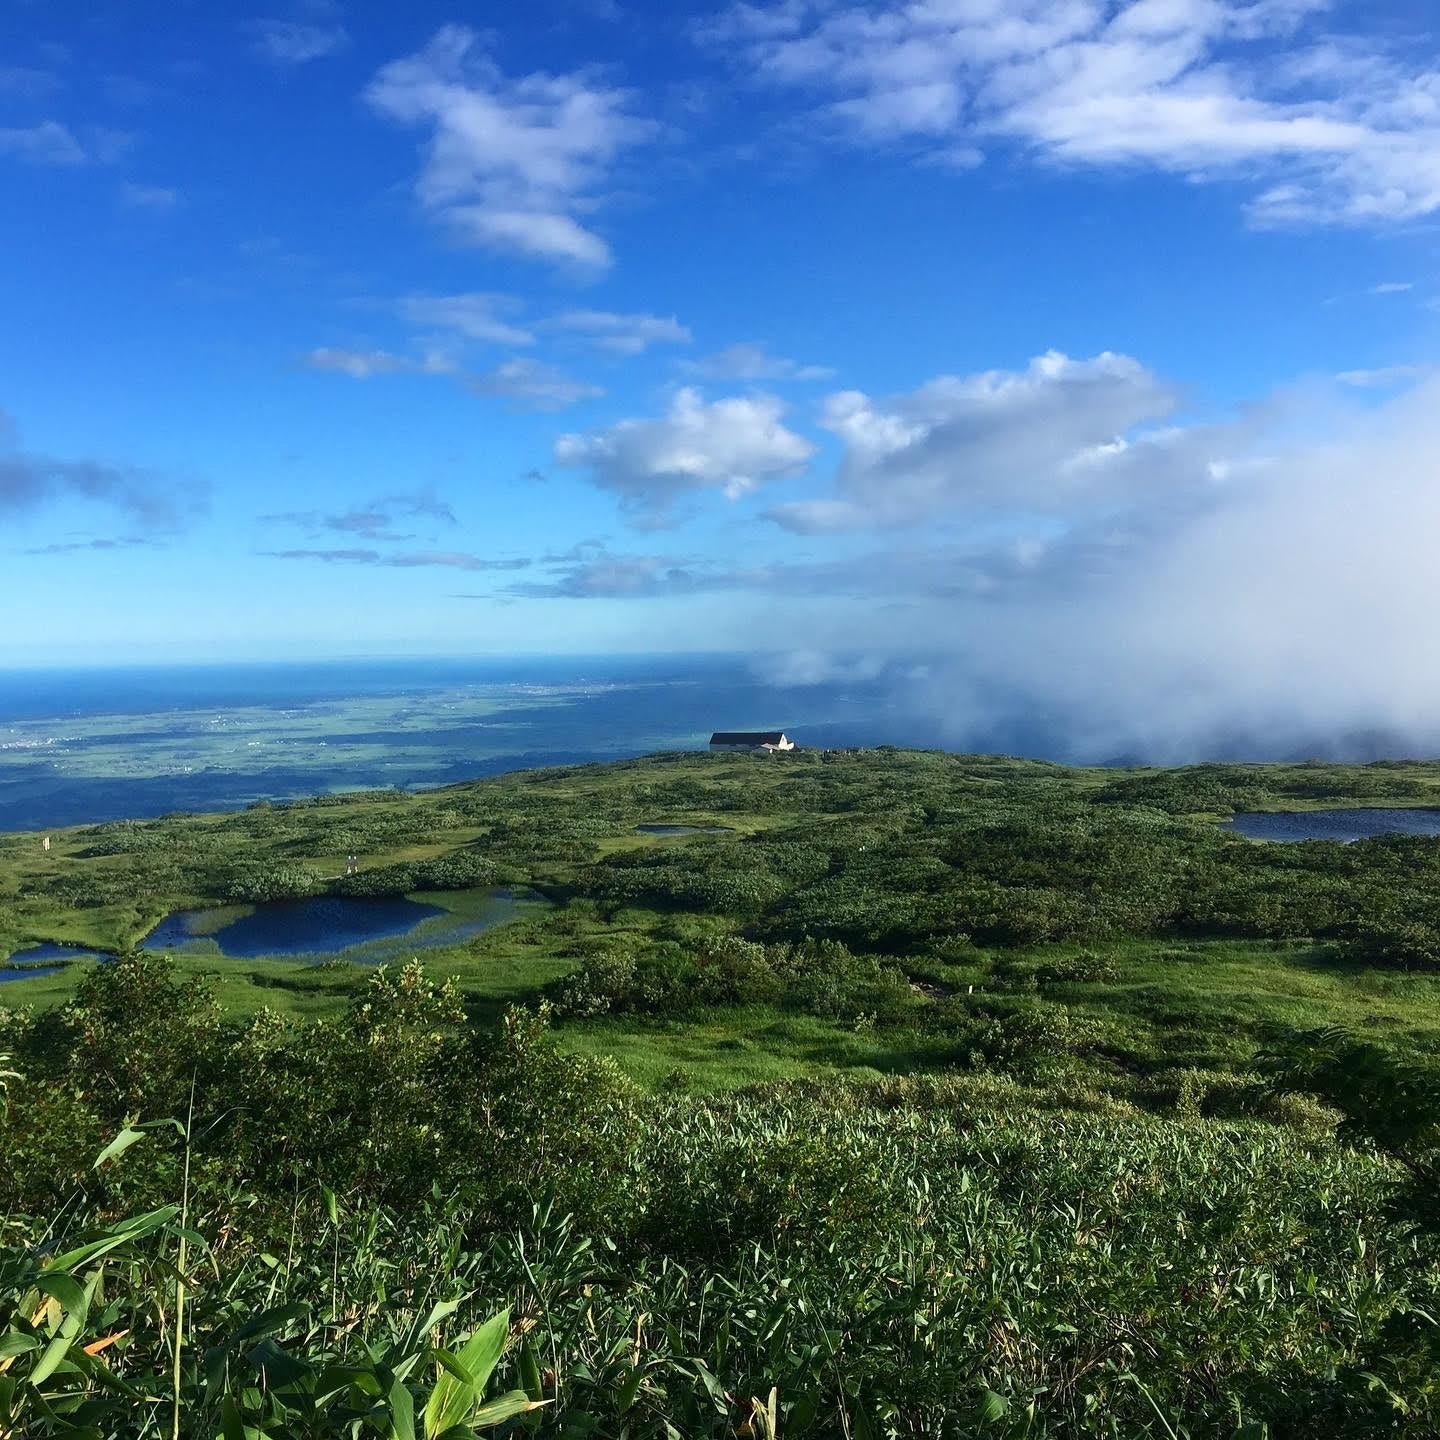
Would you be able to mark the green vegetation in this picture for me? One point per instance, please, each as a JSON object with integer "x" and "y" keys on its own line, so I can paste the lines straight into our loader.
{"x": 940, "y": 1095}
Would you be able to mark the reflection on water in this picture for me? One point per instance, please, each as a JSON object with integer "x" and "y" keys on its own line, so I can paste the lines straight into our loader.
{"x": 331, "y": 925}
{"x": 1342, "y": 825}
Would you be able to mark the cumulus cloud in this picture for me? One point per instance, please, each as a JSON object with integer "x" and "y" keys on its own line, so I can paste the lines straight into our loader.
{"x": 1326, "y": 126}
{"x": 533, "y": 385}
{"x": 511, "y": 163}
{"x": 622, "y": 334}
{"x": 733, "y": 446}
{"x": 1042, "y": 438}
{"x": 750, "y": 360}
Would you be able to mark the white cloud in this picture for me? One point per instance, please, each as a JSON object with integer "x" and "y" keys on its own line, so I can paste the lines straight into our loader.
{"x": 511, "y": 163}
{"x": 476, "y": 316}
{"x": 296, "y": 42}
{"x": 750, "y": 360}
{"x": 363, "y": 364}
{"x": 1392, "y": 287}
{"x": 1382, "y": 378}
{"x": 1040, "y": 439}
{"x": 1333, "y": 129}
{"x": 401, "y": 560}
{"x": 149, "y": 197}
{"x": 603, "y": 576}
{"x": 534, "y": 385}
{"x": 48, "y": 143}
{"x": 732, "y": 446}
{"x": 1291, "y": 615}
{"x": 622, "y": 334}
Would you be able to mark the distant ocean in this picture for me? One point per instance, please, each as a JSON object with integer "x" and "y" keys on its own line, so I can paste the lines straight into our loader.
{"x": 81, "y": 746}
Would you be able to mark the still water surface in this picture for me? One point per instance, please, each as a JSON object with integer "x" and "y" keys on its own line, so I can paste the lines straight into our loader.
{"x": 23, "y": 964}
{"x": 331, "y": 925}
{"x": 1343, "y": 825}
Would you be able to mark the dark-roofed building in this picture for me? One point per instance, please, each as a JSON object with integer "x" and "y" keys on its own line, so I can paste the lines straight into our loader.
{"x": 766, "y": 740}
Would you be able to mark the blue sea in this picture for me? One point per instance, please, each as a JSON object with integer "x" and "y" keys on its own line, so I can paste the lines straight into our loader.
{"x": 82, "y": 746}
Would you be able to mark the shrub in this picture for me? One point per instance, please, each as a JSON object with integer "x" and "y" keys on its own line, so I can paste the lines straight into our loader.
{"x": 259, "y": 884}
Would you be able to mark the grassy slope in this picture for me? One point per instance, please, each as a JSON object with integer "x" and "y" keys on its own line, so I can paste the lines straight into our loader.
{"x": 1202, "y": 1003}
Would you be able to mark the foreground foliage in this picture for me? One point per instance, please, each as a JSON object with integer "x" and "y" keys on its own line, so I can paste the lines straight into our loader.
{"x": 520, "y": 1233}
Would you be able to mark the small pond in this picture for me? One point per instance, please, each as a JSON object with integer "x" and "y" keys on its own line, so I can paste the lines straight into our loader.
{"x": 683, "y": 830}
{"x": 1342, "y": 825}
{"x": 369, "y": 931}
{"x": 26, "y": 964}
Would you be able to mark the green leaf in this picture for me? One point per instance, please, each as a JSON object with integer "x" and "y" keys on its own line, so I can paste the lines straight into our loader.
{"x": 483, "y": 1349}
{"x": 232, "y": 1427}
{"x": 121, "y": 1143}
{"x": 530, "y": 1372}
{"x": 49, "y": 1362}
{"x": 135, "y": 1228}
{"x": 463, "y": 1377}
{"x": 402, "y": 1412}
{"x": 502, "y": 1408}
{"x": 992, "y": 1407}
{"x": 332, "y": 1205}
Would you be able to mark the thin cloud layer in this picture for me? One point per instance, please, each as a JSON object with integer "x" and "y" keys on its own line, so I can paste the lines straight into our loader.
{"x": 732, "y": 446}
{"x": 1326, "y": 128}
{"x": 750, "y": 360}
{"x": 48, "y": 143}
{"x": 30, "y": 481}
{"x": 511, "y": 163}
{"x": 622, "y": 334}
{"x": 400, "y": 560}
{"x": 476, "y": 316}
{"x": 296, "y": 42}
{"x": 533, "y": 385}
{"x": 364, "y": 364}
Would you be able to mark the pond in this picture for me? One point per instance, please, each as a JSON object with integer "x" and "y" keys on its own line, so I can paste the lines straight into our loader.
{"x": 369, "y": 931}
{"x": 1342, "y": 825}
{"x": 683, "y": 830}
{"x": 26, "y": 964}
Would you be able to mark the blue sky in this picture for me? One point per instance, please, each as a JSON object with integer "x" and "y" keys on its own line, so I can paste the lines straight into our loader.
{"x": 970, "y": 327}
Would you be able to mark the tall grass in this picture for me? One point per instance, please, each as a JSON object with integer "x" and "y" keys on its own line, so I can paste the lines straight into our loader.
{"x": 809, "y": 1260}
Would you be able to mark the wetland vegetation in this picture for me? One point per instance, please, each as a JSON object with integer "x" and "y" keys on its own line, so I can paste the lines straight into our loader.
{"x": 886, "y": 1094}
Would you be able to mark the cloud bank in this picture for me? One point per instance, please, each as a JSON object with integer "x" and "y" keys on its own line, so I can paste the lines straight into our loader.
{"x": 1246, "y": 592}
